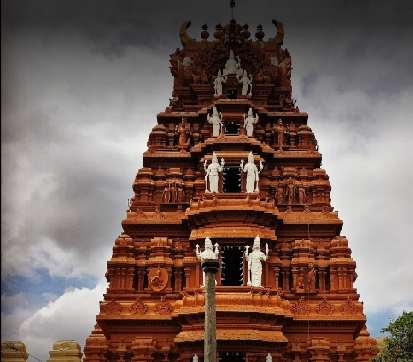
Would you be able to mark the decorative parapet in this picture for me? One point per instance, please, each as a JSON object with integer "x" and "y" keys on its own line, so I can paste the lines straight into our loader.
{"x": 65, "y": 351}
{"x": 13, "y": 351}
{"x": 246, "y": 300}
{"x": 233, "y": 335}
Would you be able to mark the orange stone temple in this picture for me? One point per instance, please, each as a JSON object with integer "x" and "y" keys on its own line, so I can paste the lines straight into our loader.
{"x": 232, "y": 170}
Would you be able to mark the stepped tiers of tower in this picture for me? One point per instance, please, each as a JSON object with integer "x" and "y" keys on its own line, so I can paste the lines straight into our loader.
{"x": 233, "y": 171}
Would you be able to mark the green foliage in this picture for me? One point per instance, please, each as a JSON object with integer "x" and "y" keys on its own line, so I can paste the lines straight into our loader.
{"x": 399, "y": 346}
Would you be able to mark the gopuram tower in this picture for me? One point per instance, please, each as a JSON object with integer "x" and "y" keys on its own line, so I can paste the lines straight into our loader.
{"x": 232, "y": 169}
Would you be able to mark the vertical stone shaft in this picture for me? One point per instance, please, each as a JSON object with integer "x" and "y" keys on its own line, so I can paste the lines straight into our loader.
{"x": 210, "y": 267}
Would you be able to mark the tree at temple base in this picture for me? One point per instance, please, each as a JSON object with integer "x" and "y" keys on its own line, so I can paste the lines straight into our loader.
{"x": 399, "y": 346}
{"x": 293, "y": 300}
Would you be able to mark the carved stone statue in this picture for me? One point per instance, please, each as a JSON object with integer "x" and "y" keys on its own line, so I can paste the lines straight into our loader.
{"x": 208, "y": 253}
{"x": 302, "y": 197}
{"x": 233, "y": 64}
{"x": 166, "y": 195}
{"x": 195, "y": 358}
{"x": 268, "y": 358}
{"x": 215, "y": 120}
{"x": 254, "y": 260}
{"x": 212, "y": 173}
{"x": 290, "y": 190}
{"x": 219, "y": 80}
{"x": 249, "y": 122}
{"x": 183, "y": 130}
{"x": 253, "y": 174}
{"x": 280, "y": 130}
{"x": 246, "y": 83}
{"x": 311, "y": 277}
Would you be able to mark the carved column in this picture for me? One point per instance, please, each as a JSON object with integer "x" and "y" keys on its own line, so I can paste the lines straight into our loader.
{"x": 187, "y": 277}
{"x": 295, "y": 276}
{"x": 210, "y": 268}
{"x": 141, "y": 277}
{"x": 286, "y": 280}
{"x": 276, "y": 274}
{"x": 322, "y": 279}
{"x": 333, "y": 278}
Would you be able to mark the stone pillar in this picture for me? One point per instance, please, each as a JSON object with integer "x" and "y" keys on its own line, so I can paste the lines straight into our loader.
{"x": 65, "y": 351}
{"x": 210, "y": 267}
{"x": 13, "y": 351}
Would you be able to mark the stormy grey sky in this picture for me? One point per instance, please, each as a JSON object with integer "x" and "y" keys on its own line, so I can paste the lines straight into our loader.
{"x": 81, "y": 84}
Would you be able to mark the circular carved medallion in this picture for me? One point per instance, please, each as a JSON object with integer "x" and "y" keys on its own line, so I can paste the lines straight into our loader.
{"x": 158, "y": 278}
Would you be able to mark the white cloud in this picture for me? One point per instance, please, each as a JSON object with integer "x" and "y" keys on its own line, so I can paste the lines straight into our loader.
{"x": 71, "y": 316}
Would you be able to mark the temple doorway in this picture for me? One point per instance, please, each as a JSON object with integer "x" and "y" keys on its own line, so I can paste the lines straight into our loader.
{"x": 232, "y": 357}
{"x": 232, "y": 128}
{"x": 232, "y": 268}
{"x": 232, "y": 179}
{"x": 232, "y": 94}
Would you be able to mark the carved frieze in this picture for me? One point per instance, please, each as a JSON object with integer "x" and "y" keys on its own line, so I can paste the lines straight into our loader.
{"x": 301, "y": 307}
{"x": 325, "y": 307}
{"x": 163, "y": 307}
{"x": 138, "y": 307}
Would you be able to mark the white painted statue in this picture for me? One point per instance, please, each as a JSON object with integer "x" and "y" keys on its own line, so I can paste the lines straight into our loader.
{"x": 212, "y": 173}
{"x": 208, "y": 253}
{"x": 233, "y": 64}
{"x": 246, "y": 81}
{"x": 268, "y": 358}
{"x": 249, "y": 121}
{"x": 218, "y": 83}
{"x": 253, "y": 174}
{"x": 254, "y": 260}
{"x": 215, "y": 120}
{"x": 195, "y": 358}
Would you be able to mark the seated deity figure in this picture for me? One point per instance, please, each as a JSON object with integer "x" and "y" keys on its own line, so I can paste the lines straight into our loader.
{"x": 212, "y": 173}
{"x": 219, "y": 80}
{"x": 249, "y": 121}
{"x": 253, "y": 174}
{"x": 215, "y": 120}
{"x": 246, "y": 83}
{"x": 233, "y": 64}
{"x": 208, "y": 253}
{"x": 254, "y": 260}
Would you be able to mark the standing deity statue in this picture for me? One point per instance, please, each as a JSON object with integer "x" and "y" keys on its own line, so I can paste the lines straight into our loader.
{"x": 219, "y": 80}
{"x": 166, "y": 195}
{"x": 246, "y": 82}
{"x": 215, "y": 120}
{"x": 289, "y": 192}
{"x": 249, "y": 122}
{"x": 302, "y": 197}
{"x": 253, "y": 174}
{"x": 311, "y": 278}
{"x": 208, "y": 253}
{"x": 254, "y": 260}
{"x": 212, "y": 173}
{"x": 280, "y": 130}
{"x": 233, "y": 64}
